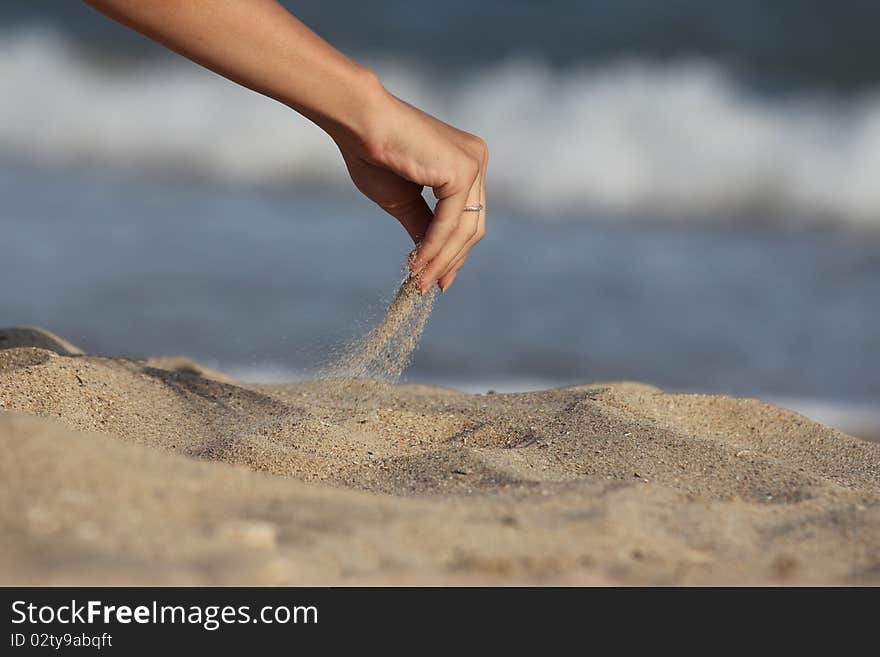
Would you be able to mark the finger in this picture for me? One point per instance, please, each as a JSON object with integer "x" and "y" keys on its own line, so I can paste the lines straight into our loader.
{"x": 458, "y": 240}
{"x": 483, "y": 198}
{"x": 458, "y": 262}
{"x": 415, "y": 216}
{"x": 446, "y": 280}
{"x": 455, "y": 245}
{"x": 447, "y": 216}
{"x": 473, "y": 237}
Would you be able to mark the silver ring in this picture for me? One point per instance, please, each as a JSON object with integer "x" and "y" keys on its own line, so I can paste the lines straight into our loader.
{"x": 473, "y": 208}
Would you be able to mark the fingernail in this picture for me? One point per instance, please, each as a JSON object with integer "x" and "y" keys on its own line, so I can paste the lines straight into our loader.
{"x": 442, "y": 289}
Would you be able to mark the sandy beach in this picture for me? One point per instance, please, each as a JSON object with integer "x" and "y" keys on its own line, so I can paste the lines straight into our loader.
{"x": 162, "y": 472}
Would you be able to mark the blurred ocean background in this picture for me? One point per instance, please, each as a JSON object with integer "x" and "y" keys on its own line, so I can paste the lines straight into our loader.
{"x": 685, "y": 193}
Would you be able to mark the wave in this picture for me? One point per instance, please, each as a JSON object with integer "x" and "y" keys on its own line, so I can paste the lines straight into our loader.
{"x": 638, "y": 138}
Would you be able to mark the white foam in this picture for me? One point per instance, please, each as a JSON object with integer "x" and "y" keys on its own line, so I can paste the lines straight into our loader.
{"x": 678, "y": 140}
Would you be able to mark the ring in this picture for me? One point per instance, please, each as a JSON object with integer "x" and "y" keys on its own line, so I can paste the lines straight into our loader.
{"x": 473, "y": 208}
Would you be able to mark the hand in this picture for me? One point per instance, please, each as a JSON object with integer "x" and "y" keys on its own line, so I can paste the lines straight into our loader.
{"x": 393, "y": 150}
{"x": 408, "y": 150}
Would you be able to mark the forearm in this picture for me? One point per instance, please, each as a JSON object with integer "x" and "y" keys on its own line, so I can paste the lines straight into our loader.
{"x": 392, "y": 150}
{"x": 258, "y": 44}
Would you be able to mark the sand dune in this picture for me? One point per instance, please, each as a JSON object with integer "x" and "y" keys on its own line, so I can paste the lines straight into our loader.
{"x": 164, "y": 472}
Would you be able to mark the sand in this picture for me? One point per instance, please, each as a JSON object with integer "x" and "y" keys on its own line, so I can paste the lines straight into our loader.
{"x": 162, "y": 472}
{"x": 386, "y": 351}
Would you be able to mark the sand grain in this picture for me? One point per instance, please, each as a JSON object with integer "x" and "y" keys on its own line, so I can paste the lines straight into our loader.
{"x": 118, "y": 471}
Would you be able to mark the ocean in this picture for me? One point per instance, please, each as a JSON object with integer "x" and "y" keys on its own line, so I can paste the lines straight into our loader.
{"x": 680, "y": 193}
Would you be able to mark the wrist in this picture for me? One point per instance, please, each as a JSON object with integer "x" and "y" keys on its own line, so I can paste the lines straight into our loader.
{"x": 352, "y": 108}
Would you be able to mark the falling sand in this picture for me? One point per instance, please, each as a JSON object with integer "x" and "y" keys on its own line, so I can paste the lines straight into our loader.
{"x": 164, "y": 472}
{"x": 386, "y": 351}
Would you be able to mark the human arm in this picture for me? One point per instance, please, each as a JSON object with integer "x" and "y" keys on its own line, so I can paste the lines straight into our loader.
{"x": 392, "y": 150}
